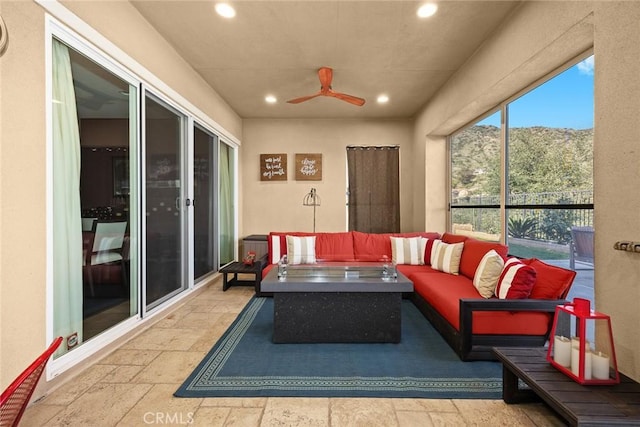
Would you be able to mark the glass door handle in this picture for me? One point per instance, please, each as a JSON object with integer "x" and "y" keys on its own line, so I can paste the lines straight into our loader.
{"x": 186, "y": 201}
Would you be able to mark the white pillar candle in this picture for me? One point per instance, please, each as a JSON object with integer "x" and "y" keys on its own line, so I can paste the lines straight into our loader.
{"x": 600, "y": 363}
{"x": 575, "y": 361}
{"x": 562, "y": 351}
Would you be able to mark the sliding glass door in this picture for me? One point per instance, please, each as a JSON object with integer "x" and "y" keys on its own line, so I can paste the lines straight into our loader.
{"x": 95, "y": 232}
{"x": 142, "y": 199}
{"x": 165, "y": 201}
{"x": 204, "y": 205}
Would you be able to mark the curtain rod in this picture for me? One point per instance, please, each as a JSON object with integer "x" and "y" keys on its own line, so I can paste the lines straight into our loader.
{"x": 373, "y": 147}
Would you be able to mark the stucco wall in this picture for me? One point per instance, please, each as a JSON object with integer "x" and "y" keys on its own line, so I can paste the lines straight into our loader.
{"x": 277, "y": 206}
{"x": 617, "y": 174}
{"x": 23, "y": 154}
{"x": 22, "y": 190}
{"x": 536, "y": 39}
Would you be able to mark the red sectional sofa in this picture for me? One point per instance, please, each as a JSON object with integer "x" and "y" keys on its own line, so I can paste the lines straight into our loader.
{"x": 471, "y": 324}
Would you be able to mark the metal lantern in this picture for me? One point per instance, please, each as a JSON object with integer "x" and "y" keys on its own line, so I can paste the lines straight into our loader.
{"x": 581, "y": 344}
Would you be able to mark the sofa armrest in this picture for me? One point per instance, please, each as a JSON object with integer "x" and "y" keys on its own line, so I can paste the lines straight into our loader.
{"x": 468, "y": 306}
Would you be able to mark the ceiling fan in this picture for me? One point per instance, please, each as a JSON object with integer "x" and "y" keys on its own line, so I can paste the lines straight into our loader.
{"x": 325, "y": 74}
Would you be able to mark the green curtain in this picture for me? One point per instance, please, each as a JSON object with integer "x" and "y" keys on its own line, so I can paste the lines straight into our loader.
{"x": 67, "y": 223}
{"x": 226, "y": 212}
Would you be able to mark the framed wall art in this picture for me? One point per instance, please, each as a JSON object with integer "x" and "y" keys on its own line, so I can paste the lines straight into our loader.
{"x": 273, "y": 167}
{"x": 309, "y": 167}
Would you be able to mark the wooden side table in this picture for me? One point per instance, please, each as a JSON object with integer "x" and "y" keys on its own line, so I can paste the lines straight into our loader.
{"x": 236, "y": 268}
{"x": 579, "y": 405}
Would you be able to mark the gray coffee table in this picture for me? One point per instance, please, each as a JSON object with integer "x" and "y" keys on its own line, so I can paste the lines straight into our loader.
{"x": 336, "y": 303}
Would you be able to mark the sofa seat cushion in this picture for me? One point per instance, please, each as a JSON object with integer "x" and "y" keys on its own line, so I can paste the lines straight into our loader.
{"x": 408, "y": 270}
{"x": 376, "y": 246}
{"x": 444, "y": 291}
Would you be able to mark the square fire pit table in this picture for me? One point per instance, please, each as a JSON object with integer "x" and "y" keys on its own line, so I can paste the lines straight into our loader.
{"x": 336, "y": 302}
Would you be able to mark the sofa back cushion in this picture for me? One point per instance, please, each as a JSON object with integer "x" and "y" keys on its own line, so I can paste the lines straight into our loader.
{"x": 376, "y": 246}
{"x": 329, "y": 246}
{"x": 551, "y": 282}
{"x": 473, "y": 252}
{"x": 453, "y": 238}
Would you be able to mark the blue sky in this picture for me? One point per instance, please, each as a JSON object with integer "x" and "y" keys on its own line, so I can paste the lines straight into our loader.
{"x": 565, "y": 101}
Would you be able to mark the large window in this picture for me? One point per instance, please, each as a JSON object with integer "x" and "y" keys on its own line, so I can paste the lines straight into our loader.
{"x": 475, "y": 177}
{"x": 524, "y": 173}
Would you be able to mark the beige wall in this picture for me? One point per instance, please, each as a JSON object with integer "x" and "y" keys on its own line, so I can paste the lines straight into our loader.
{"x": 23, "y": 150}
{"x": 539, "y": 37}
{"x": 277, "y": 206}
{"x": 22, "y": 191}
{"x": 146, "y": 46}
{"x": 617, "y": 174}
{"x": 536, "y": 39}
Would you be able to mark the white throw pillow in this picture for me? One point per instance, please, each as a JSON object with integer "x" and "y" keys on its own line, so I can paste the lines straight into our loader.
{"x": 301, "y": 250}
{"x": 487, "y": 274}
{"x": 408, "y": 250}
{"x": 445, "y": 257}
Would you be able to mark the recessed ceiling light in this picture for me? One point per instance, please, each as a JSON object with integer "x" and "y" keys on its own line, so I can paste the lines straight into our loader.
{"x": 427, "y": 10}
{"x": 225, "y": 10}
{"x": 382, "y": 99}
{"x": 271, "y": 99}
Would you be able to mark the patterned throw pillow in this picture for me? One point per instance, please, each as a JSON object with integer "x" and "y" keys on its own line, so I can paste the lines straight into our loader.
{"x": 301, "y": 250}
{"x": 408, "y": 250}
{"x": 445, "y": 257}
{"x": 488, "y": 273}
{"x": 516, "y": 280}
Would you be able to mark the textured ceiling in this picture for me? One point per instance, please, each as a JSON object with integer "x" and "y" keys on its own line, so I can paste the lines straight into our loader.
{"x": 374, "y": 47}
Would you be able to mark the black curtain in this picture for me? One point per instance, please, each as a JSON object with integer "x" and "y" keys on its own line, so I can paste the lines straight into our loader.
{"x": 374, "y": 189}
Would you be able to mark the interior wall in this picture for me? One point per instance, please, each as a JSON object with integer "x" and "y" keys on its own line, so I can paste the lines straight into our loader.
{"x": 616, "y": 174}
{"x": 23, "y": 149}
{"x": 535, "y": 40}
{"x": 22, "y": 191}
{"x": 277, "y": 205}
{"x": 123, "y": 25}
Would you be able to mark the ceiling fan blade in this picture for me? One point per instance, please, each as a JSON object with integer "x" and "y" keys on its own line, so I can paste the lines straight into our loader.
{"x": 349, "y": 98}
{"x": 303, "y": 98}
{"x": 325, "y": 74}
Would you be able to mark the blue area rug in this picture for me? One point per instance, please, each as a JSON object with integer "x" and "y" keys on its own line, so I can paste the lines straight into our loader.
{"x": 244, "y": 362}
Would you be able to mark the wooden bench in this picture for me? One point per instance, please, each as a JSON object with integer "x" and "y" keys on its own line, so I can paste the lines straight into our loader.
{"x": 595, "y": 405}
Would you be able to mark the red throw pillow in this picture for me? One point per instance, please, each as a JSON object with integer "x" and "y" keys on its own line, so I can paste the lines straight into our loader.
{"x": 516, "y": 280}
{"x": 552, "y": 282}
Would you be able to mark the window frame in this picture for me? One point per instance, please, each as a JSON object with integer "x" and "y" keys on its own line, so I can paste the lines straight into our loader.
{"x": 504, "y": 124}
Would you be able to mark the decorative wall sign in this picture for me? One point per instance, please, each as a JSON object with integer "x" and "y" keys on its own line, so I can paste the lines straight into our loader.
{"x": 309, "y": 167}
{"x": 273, "y": 167}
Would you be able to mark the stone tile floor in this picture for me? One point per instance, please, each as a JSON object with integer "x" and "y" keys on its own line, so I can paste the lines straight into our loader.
{"x": 134, "y": 385}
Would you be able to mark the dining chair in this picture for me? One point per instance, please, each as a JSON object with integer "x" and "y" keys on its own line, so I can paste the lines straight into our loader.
{"x": 107, "y": 248}
{"x": 87, "y": 223}
{"x": 15, "y": 398}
